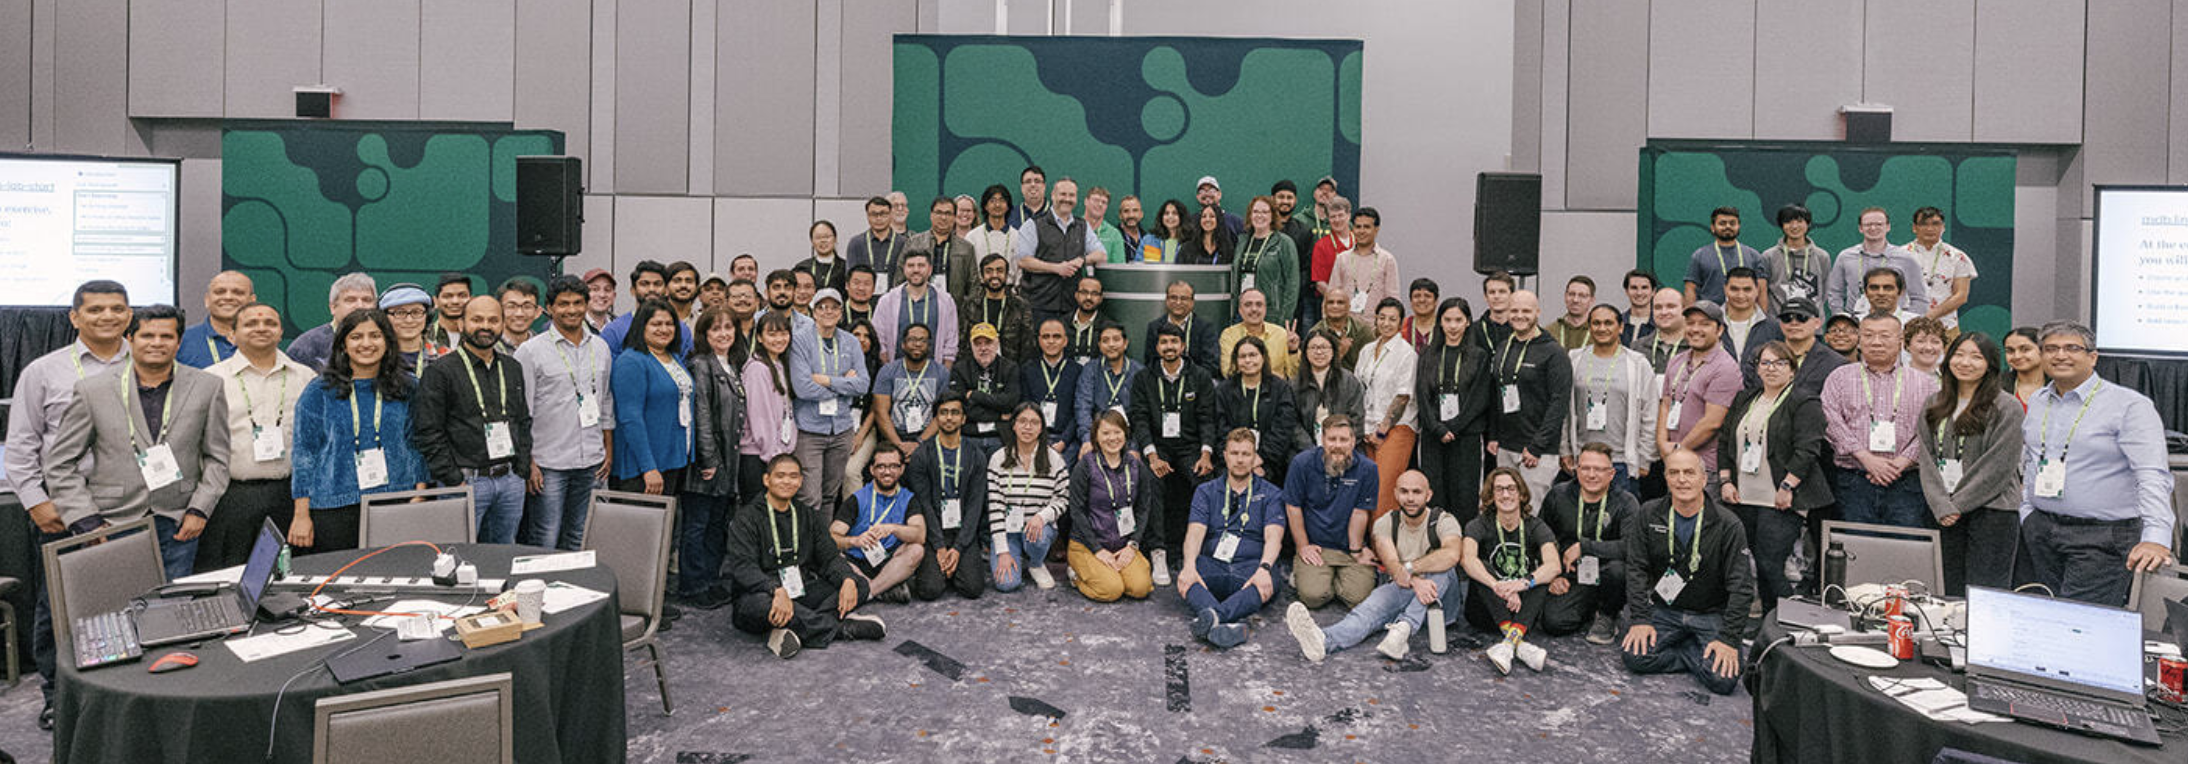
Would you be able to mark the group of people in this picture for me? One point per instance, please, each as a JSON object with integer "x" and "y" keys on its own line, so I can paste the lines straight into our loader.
{"x": 930, "y": 413}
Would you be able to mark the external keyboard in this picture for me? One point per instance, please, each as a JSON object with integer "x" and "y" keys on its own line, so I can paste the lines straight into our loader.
{"x": 2074, "y": 708}
{"x": 105, "y": 639}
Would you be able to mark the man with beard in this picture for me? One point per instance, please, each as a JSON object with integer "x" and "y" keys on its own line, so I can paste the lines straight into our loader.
{"x": 782, "y": 292}
{"x": 948, "y": 477}
{"x": 683, "y": 290}
{"x": 648, "y": 279}
{"x": 994, "y": 305}
{"x": 1534, "y": 380}
{"x": 1589, "y": 516}
{"x": 712, "y": 291}
{"x": 878, "y": 533}
{"x": 1232, "y": 539}
{"x": 989, "y": 383}
{"x": 1130, "y": 234}
{"x": 1424, "y": 545}
{"x": 1707, "y": 269}
{"x": 917, "y": 302}
{"x": 1052, "y": 382}
{"x": 949, "y": 254}
{"x": 214, "y": 341}
{"x": 1200, "y": 336}
{"x": 1329, "y": 494}
{"x": 1210, "y": 194}
{"x": 1086, "y": 323}
{"x": 1699, "y": 388}
{"x": 473, "y": 426}
{"x": 1104, "y": 384}
{"x": 1173, "y": 416}
{"x": 445, "y": 328}
{"x": 1301, "y": 228}
{"x": 905, "y": 392}
{"x": 599, "y": 298}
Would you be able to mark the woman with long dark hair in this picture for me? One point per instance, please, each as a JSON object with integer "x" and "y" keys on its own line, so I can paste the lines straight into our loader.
{"x": 352, "y": 434}
{"x": 1212, "y": 243}
{"x": 1255, "y": 398}
{"x": 1770, "y": 456}
{"x": 1174, "y": 226}
{"x": 769, "y": 429}
{"x": 1454, "y": 390}
{"x": 1325, "y": 388}
{"x": 2025, "y": 365}
{"x": 1971, "y": 467}
{"x": 1026, "y": 495}
{"x": 864, "y": 439}
{"x": 653, "y": 397}
{"x": 711, "y": 496}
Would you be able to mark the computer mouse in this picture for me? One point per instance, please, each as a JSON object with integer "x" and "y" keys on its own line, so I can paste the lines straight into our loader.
{"x": 175, "y": 661}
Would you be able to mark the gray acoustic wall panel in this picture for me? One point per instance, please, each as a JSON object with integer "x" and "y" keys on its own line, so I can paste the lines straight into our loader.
{"x": 467, "y": 60}
{"x": 90, "y": 82}
{"x": 553, "y": 72}
{"x": 1807, "y": 65}
{"x": 1555, "y": 94}
{"x": 652, "y": 96}
{"x": 2178, "y": 167}
{"x": 2028, "y": 71}
{"x": 1701, "y": 68}
{"x": 15, "y": 67}
{"x": 867, "y": 96}
{"x": 1607, "y": 111}
{"x": 175, "y": 51}
{"x": 1527, "y": 64}
{"x": 274, "y": 46}
{"x": 372, "y": 55}
{"x": 2127, "y": 109}
{"x": 1918, "y": 58}
{"x": 763, "y": 105}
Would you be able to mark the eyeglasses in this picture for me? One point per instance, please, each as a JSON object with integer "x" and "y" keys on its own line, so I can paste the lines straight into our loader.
{"x": 1502, "y": 489}
{"x": 2067, "y": 349}
{"x": 407, "y": 313}
{"x": 1777, "y": 364}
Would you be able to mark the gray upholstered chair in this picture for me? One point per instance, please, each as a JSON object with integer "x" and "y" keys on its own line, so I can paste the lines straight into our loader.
{"x": 460, "y": 721}
{"x": 2153, "y": 589}
{"x": 630, "y": 533}
{"x": 438, "y": 515}
{"x": 87, "y": 577}
{"x": 7, "y": 629}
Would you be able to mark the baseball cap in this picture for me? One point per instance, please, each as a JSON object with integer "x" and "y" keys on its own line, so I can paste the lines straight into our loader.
{"x": 827, "y": 294}
{"x": 1329, "y": 180}
{"x": 1709, "y": 310}
{"x": 1800, "y": 305}
{"x": 1208, "y": 180}
{"x": 984, "y": 330}
{"x": 714, "y": 277}
{"x": 599, "y": 273}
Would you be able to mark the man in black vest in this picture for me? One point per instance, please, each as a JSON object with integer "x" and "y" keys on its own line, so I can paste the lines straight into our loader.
{"x": 1058, "y": 250}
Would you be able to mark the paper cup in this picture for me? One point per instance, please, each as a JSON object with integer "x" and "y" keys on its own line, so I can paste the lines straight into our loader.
{"x": 531, "y": 597}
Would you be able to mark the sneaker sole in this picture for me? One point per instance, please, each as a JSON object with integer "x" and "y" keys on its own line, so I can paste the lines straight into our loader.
{"x": 1308, "y": 633}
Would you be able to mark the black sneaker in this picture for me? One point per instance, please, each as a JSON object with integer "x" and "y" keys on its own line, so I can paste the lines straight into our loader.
{"x": 900, "y": 594}
{"x": 45, "y": 719}
{"x": 713, "y": 598}
{"x": 862, "y": 626}
{"x": 1203, "y": 621}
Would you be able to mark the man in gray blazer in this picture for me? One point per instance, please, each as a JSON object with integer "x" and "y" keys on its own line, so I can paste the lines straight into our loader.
{"x": 149, "y": 437}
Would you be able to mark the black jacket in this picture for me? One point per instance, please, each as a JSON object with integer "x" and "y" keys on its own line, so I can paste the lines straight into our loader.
{"x": 447, "y": 424}
{"x": 752, "y": 561}
{"x": 990, "y": 393}
{"x": 923, "y": 475}
{"x": 1795, "y": 444}
{"x": 1544, "y": 374}
{"x": 1193, "y": 396}
{"x": 1562, "y": 511}
{"x": 1724, "y": 584}
{"x": 1013, "y": 319}
{"x": 1342, "y": 394}
{"x": 1460, "y": 371}
{"x": 1276, "y": 421}
{"x": 718, "y": 413}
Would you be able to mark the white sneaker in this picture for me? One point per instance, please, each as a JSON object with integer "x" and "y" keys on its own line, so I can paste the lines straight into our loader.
{"x": 783, "y": 643}
{"x": 1531, "y": 654}
{"x": 1159, "y": 563}
{"x": 1397, "y": 642}
{"x": 1040, "y": 575}
{"x": 1500, "y": 655}
{"x": 1306, "y": 631}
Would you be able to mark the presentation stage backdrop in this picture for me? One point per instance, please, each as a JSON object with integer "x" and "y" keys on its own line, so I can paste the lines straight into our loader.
{"x": 1137, "y": 115}
{"x": 304, "y": 202}
{"x": 1682, "y": 181}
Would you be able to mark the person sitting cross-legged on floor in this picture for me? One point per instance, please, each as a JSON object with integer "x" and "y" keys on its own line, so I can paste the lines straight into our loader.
{"x": 1689, "y": 580}
{"x": 1232, "y": 538}
{"x": 1425, "y": 544}
{"x": 1111, "y": 491}
{"x": 1329, "y": 494}
{"x": 878, "y": 533}
{"x": 792, "y": 584}
{"x": 1511, "y": 555}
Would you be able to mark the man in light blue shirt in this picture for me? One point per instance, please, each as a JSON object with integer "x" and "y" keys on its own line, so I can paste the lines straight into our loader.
{"x": 827, "y": 371}
{"x": 566, "y": 372}
{"x": 2097, "y": 506}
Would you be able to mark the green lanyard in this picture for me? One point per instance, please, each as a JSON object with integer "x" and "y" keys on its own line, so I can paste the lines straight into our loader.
{"x": 1763, "y": 429}
{"x": 1738, "y": 256}
{"x": 357, "y": 439}
{"x": 1116, "y": 500}
{"x": 1522, "y": 543}
{"x": 2043, "y": 447}
{"x": 1802, "y": 271}
{"x": 1052, "y": 379}
{"x": 1116, "y": 385}
{"x": 78, "y": 360}
{"x": 1602, "y": 514}
{"x": 1671, "y": 540}
{"x": 888, "y": 247}
{"x": 167, "y": 406}
{"x": 250, "y": 410}
{"x": 774, "y": 536}
{"x": 592, "y": 374}
{"x": 1177, "y": 400}
{"x": 501, "y": 390}
{"x": 1250, "y": 262}
{"x": 1685, "y": 380}
{"x": 1514, "y": 376}
{"x": 883, "y": 510}
{"x": 214, "y": 350}
{"x": 1243, "y": 506}
{"x": 828, "y": 350}
{"x": 912, "y": 307}
{"x": 1960, "y": 442}
{"x": 1187, "y": 328}
{"x": 815, "y": 269}
{"x": 1002, "y": 308}
{"x": 1610, "y": 369}
{"x": 1868, "y": 399}
{"x": 1253, "y": 410}
{"x": 1444, "y": 368}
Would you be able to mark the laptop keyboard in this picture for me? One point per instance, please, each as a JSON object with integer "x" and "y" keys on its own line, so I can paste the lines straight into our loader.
{"x": 2025, "y": 701}
{"x": 209, "y": 614}
{"x": 104, "y": 639}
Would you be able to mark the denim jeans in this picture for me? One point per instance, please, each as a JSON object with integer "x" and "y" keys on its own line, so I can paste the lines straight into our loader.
{"x": 703, "y": 540}
{"x": 555, "y": 517}
{"x": 1680, "y": 637}
{"x": 1622, "y": 479}
{"x": 178, "y": 558}
{"x": 1223, "y": 588}
{"x": 1389, "y": 603}
{"x": 1025, "y": 551}
{"x": 1899, "y": 504}
{"x": 498, "y": 503}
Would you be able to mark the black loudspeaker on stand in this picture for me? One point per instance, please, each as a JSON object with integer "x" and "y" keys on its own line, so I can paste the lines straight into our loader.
{"x": 550, "y": 206}
{"x": 1508, "y": 223}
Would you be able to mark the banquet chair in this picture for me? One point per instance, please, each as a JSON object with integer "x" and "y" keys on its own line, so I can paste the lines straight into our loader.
{"x": 2151, "y": 590}
{"x": 437, "y": 515}
{"x": 100, "y": 572}
{"x": 631, "y": 533}
{"x": 7, "y": 629}
{"x": 460, "y": 721}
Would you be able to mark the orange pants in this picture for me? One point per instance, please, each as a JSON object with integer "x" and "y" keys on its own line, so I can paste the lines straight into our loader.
{"x": 1392, "y": 457}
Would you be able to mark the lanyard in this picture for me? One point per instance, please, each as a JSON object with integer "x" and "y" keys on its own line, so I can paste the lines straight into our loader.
{"x": 885, "y": 260}
{"x": 883, "y": 510}
{"x": 1739, "y": 255}
{"x": 357, "y": 442}
{"x": 1002, "y": 308}
{"x": 1868, "y": 399}
{"x": 1671, "y": 541}
{"x": 501, "y": 390}
{"x": 214, "y": 350}
{"x": 1512, "y": 378}
{"x": 1253, "y": 410}
{"x": 2043, "y": 447}
{"x": 1602, "y": 515}
{"x": 1444, "y": 369}
{"x": 814, "y": 267}
{"x": 1762, "y": 425}
{"x": 1802, "y": 271}
{"x": 1610, "y": 369}
{"x": 1685, "y": 380}
{"x": 1174, "y": 401}
{"x": 1960, "y": 442}
{"x": 167, "y": 406}
{"x": 1058, "y": 376}
{"x": 951, "y": 472}
{"x": 250, "y": 410}
{"x": 1243, "y": 506}
{"x": 1250, "y": 262}
{"x": 592, "y": 374}
{"x": 1187, "y": 330}
{"x": 1079, "y": 333}
{"x": 913, "y": 305}
{"x": 774, "y": 535}
{"x": 1522, "y": 541}
{"x": 1116, "y": 385}
{"x": 78, "y": 360}
{"x": 1115, "y": 500}
{"x": 828, "y": 356}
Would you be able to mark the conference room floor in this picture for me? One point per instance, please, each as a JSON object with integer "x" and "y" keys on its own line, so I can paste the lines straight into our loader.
{"x": 1111, "y": 671}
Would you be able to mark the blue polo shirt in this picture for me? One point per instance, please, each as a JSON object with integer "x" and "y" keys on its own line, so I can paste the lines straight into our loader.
{"x": 1251, "y": 510}
{"x": 202, "y": 346}
{"x": 1326, "y": 504}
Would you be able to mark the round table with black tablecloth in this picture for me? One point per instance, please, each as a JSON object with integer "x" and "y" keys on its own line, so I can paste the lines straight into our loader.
{"x": 1810, "y": 707}
{"x": 567, "y": 676}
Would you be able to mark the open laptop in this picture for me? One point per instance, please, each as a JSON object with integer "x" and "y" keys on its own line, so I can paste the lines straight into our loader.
{"x": 169, "y": 621}
{"x": 2058, "y": 663}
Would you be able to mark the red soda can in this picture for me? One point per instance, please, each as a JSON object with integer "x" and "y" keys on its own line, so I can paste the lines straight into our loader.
{"x": 1895, "y": 599}
{"x": 2172, "y": 675}
{"x": 1899, "y": 636}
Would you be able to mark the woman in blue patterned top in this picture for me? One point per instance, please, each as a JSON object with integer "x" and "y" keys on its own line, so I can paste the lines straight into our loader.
{"x": 352, "y": 434}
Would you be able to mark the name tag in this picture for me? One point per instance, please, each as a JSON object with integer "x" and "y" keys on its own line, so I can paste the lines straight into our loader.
{"x": 1590, "y": 571}
{"x": 2050, "y": 479}
{"x": 1245, "y": 282}
{"x": 1360, "y": 303}
{"x": 683, "y": 410}
{"x": 1883, "y": 436}
{"x": 1447, "y": 406}
{"x": 499, "y": 443}
{"x": 826, "y": 405}
{"x": 1599, "y": 415}
{"x": 1751, "y": 460}
{"x": 881, "y": 283}
{"x": 1013, "y": 521}
{"x": 371, "y": 469}
{"x": 159, "y": 467}
{"x": 915, "y": 419}
{"x": 1173, "y": 423}
{"x": 984, "y": 427}
{"x": 1671, "y": 415}
{"x": 1048, "y": 413}
{"x": 788, "y": 431}
{"x": 875, "y": 554}
{"x": 1126, "y": 523}
{"x": 953, "y": 514}
{"x": 1951, "y": 471}
{"x": 588, "y": 411}
{"x": 1085, "y": 359}
{"x": 793, "y": 582}
{"x": 1227, "y": 547}
{"x": 1670, "y": 586}
{"x": 1511, "y": 399}
{"x": 267, "y": 445}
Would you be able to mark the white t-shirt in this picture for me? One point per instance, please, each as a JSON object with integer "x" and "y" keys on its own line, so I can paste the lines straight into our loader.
{"x": 1940, "y": 267}
{"x": 1738, "y": 330}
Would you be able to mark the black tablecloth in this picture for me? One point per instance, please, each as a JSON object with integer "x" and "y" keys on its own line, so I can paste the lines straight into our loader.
{"x": 1809, "y": 707}
{"x": 568, "y": 680}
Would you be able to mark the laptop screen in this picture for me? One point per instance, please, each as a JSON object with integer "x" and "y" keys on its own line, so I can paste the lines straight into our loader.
{"x": 259, "y": 569}
{"x": 2055, "y": 639}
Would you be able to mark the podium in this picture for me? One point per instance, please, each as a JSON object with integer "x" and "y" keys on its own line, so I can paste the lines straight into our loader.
{"x": 1132, "y": 294}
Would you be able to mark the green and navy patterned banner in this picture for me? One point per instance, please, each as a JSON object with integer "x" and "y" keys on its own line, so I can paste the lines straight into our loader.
{"x": 304, "y": 202}
{"x": 1682, "y": 181}
{"x": 1137, "y": 115}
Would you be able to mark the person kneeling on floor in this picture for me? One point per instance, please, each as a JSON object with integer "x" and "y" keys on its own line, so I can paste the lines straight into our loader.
{"x": 791, "y": 583}
{"x": 1689, "y": 580}
{"x": 1111, "y": 491}
{"x": 878, "y": 535}
{"x": 1424, "y": 543}
{"x": 1230, "y": 573}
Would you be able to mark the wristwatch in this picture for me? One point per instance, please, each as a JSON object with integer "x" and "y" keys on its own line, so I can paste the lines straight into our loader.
{"x": 1409, "y": 567}
{"x": 1268, "y": 567}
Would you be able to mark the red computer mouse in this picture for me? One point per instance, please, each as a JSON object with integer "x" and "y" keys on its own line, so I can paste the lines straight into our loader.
{"x": 175, "y": 661}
